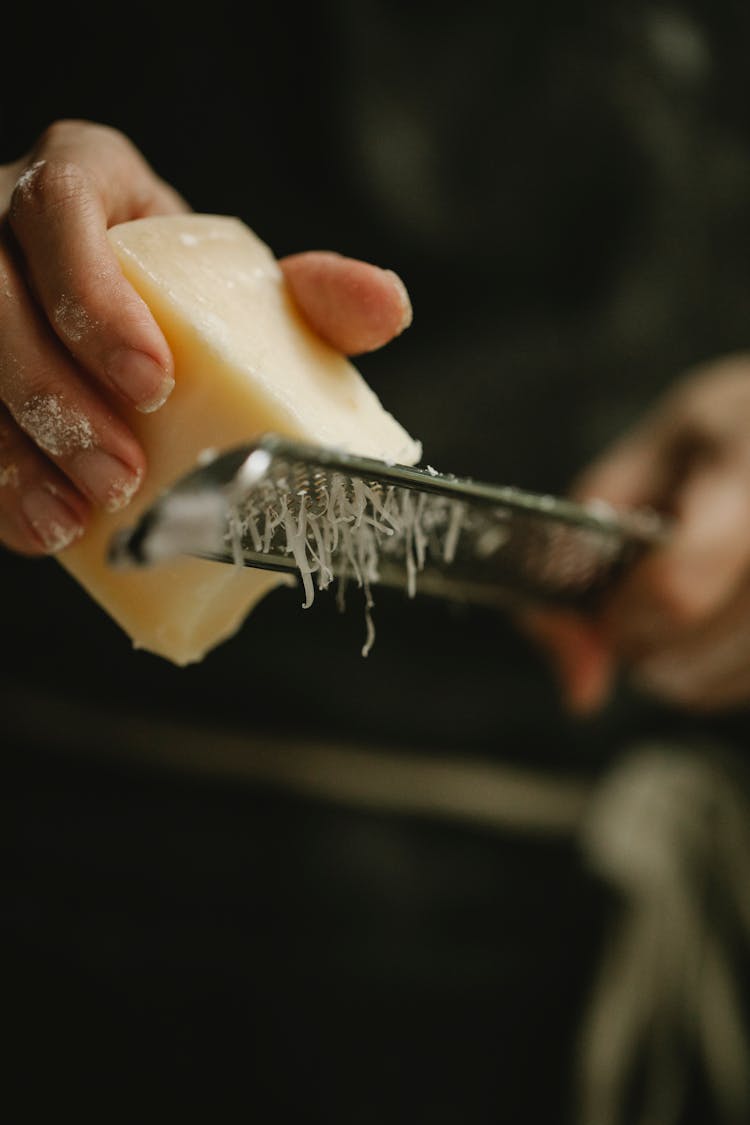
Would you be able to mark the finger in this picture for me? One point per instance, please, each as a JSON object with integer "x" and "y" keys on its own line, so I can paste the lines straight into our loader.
{"x": 58, "y": 409}
{"x": 40, "y": 511}
{"x": 696, "y": 423}
{"x": 581, "y": 659}
{"x": 699, "y": 569}
{"x": 707, "y": 669}
{"x": 88, "y": 179}
{"x": 636, "y": 472}
{"x": 355, "y": 306}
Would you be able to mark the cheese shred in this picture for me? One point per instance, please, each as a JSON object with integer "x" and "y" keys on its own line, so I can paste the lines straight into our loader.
{"x": 343, "y": 529}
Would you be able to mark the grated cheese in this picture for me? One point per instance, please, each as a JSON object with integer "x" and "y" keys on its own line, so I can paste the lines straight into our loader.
{"x": 343, "y": 532}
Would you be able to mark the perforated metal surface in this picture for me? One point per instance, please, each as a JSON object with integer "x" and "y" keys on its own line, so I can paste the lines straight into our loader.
{"x": 283, "y": 506}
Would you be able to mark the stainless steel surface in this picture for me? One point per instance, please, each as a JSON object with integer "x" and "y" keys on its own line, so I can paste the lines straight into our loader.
{"x": 280, "y": 505}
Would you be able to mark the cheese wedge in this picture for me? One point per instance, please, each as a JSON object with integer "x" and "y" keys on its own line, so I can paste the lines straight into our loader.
{"x": 245, "y": 363}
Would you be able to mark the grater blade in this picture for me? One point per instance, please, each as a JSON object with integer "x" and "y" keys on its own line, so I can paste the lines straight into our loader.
{"x": 321, "y": 514}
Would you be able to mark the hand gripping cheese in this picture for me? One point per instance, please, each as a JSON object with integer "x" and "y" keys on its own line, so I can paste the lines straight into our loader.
{"x": 245, "y": 363}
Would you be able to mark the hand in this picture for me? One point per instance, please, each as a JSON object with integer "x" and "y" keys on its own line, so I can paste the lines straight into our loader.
{"x": 680, "y": 624}
{"x": 78, "y": 346}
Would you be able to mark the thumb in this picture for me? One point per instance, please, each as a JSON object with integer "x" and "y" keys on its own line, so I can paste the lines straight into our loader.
{"x": 354, "y": 305}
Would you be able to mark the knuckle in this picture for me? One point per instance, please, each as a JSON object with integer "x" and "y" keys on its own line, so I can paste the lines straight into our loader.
{"x": 72, "y": 315}
{"x": 56, "y": 425}
{"x": 55, "y": 133}
{"x": 40, "y": 512}
{"x": 44, "y": 186}
{"x": 67, "y": 132}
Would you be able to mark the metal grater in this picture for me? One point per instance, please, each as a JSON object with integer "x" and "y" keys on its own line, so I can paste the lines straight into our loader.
{"x": 267, "y": 505}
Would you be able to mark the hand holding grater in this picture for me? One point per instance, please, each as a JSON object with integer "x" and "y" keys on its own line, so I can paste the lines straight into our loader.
{"x": 320, "y": 514}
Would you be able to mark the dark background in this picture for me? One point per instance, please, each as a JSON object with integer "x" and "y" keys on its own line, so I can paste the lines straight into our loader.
{"x": 565, "y": 190}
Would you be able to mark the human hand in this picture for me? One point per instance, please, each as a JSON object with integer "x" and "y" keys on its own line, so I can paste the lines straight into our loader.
{"x": 679, "y": 625}
{"x": 78, "y": 346}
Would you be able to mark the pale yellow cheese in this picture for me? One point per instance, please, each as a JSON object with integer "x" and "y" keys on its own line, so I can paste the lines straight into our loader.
{"x": 245, "y": 363}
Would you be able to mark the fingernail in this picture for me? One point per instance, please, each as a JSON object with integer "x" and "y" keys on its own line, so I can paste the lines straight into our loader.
{"x": 52, "y": 520}
{"x": 140, "y": 379}
{"x": 110, "y": 482}
{"x": 407, "y": 313}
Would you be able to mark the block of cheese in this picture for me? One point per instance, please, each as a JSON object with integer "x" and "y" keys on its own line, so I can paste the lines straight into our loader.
{"x": 245, "y": 363}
